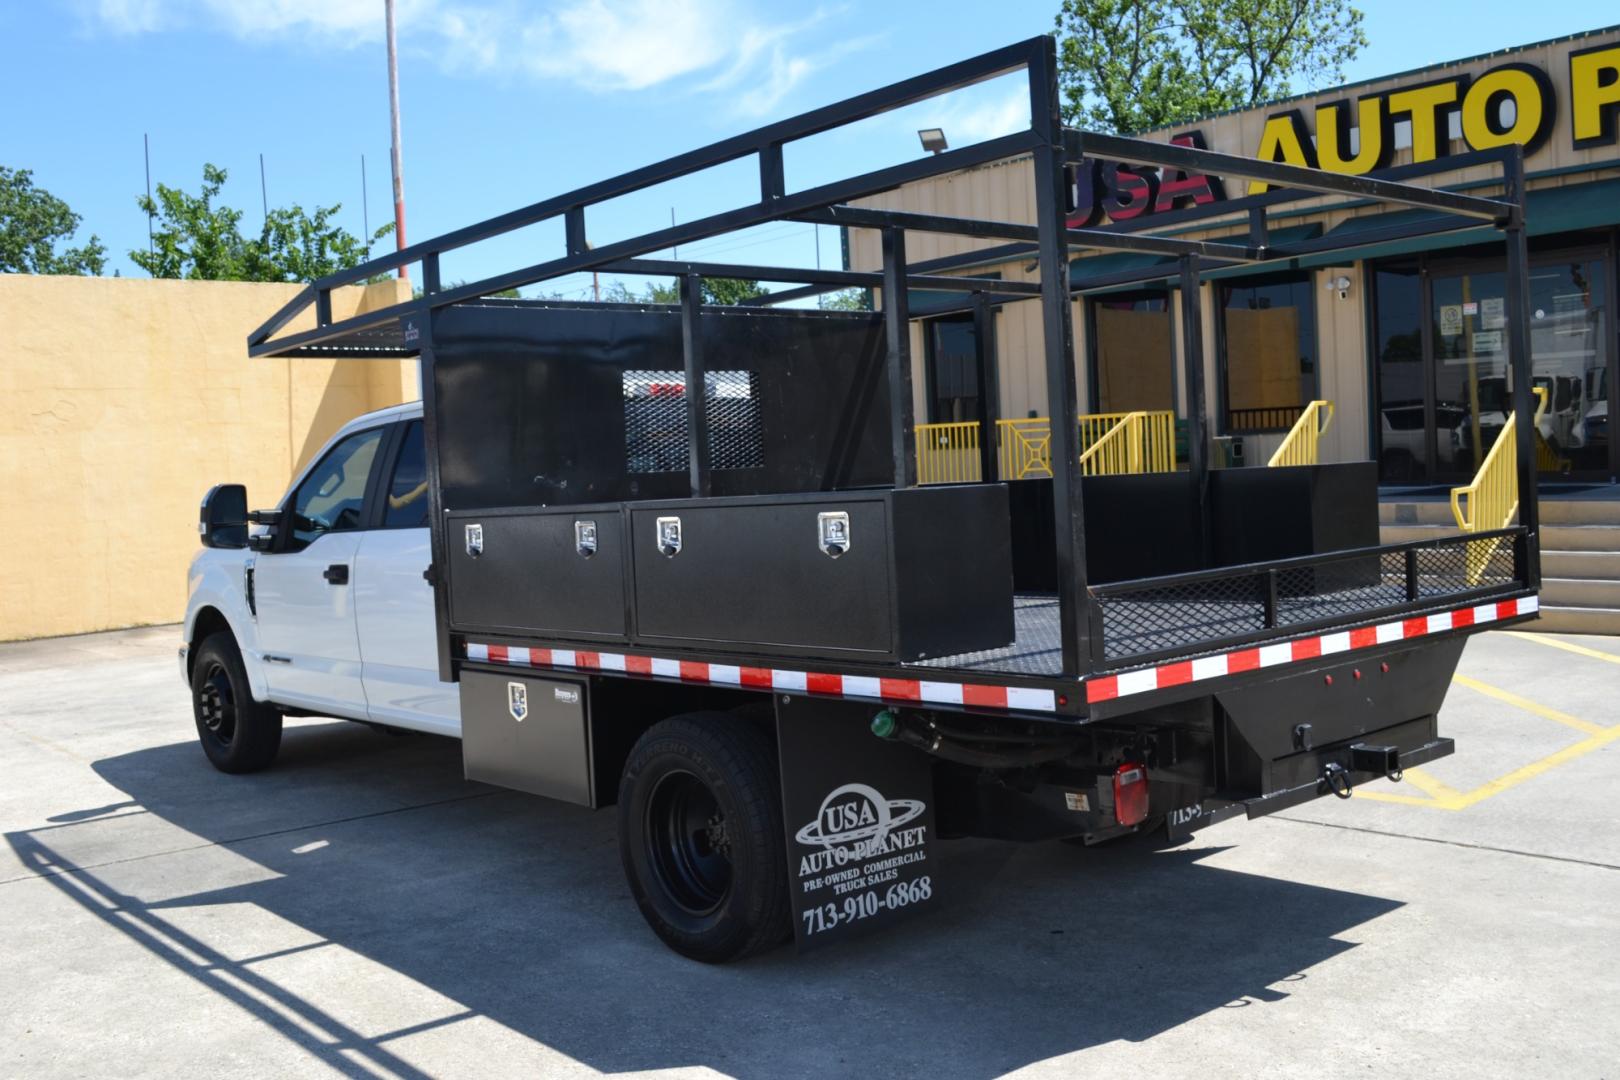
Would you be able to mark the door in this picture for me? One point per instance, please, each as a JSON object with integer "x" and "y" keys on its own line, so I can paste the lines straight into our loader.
{"x": 304, "y": 588}
{"x": 948, "y": 448}
{"x": 1453, "y": 331}
{"x": 394, "y": 603}
{"x": 953, "y": 372}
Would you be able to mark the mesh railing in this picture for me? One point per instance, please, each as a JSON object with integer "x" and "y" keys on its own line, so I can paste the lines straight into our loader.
{"x": 655, "y": 420}
{"x": 1188, "y": 613}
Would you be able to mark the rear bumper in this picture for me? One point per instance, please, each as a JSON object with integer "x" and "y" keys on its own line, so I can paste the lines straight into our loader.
{"x": 1335, "y": 770}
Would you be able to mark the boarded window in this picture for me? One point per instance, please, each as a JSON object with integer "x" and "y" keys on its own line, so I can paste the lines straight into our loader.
{"x": 1269, "y": 361}
{"x": 1134, "y": 354}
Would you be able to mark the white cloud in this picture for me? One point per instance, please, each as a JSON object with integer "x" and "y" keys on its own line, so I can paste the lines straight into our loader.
{"x": 600, "y": 45}
{"x": 969, "y": 121}
{"x": 126, "y": 16}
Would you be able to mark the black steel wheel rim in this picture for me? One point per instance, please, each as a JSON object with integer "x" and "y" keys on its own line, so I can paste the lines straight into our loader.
{"x": 688, "y": 846}
{"x": 216, "y": 704}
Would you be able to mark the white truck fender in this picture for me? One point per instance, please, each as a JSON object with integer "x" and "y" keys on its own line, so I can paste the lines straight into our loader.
{"x": 217, "y": 580}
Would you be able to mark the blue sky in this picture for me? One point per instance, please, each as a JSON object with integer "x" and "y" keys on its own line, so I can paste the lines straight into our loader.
{"x": 506, "y": 102}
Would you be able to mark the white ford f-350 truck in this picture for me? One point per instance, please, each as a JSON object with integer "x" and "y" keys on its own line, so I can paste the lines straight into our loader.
{"x": 339, "y": 620}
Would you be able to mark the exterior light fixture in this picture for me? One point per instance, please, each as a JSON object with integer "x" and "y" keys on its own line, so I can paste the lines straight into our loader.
{"x": 933, "y": 140}
{"x": 1339, "y": 284}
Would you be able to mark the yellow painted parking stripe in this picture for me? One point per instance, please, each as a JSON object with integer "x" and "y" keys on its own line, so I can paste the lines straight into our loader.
{"x": 1530, "y": 706}
{"x": 1535, "y": 768}
{"x": 1405, "y": 800}
{"x": 1430, "y": 786}
{"x": 1442, "y": 796}
{"x": 1554, "y": 643}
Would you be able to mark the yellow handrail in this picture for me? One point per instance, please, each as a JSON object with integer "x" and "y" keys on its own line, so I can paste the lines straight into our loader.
{"x": 1024, "y": 448}
{"x": 1492, "y": 500}
{"x": 948, "y": 453}
{"x": 1300, "y": 445}
{"x": 1119, "y": 451}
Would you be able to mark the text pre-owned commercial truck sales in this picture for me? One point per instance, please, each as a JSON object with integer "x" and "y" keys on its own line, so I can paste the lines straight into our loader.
{"x": 676, "y": 559}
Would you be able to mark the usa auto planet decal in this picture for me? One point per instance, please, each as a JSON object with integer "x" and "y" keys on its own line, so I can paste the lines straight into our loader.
{"x": 865, "y": 857}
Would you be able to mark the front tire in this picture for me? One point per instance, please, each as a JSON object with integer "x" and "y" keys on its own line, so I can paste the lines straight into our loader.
{"x": 700, "y": 834}
{"x": 237, "y": 733}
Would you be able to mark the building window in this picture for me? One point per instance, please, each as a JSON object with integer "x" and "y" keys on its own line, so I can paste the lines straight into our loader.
{"x": 1268, "y": 352}
{"x": 1133, "y": 357}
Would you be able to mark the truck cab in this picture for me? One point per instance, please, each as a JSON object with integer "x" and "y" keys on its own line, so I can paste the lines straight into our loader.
{"x": 322, "y": 605}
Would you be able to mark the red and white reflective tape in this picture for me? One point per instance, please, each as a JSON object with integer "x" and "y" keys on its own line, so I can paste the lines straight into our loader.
{"x": 977, "y": 695}
{"x": 1023, "y": 698}
{"x": 1109, "y": 687}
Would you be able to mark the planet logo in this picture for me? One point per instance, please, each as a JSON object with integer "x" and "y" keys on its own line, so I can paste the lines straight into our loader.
{"x": 857, "y": 816}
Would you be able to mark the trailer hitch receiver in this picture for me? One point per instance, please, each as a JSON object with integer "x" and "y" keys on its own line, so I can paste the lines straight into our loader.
{"x": 1376, "y": 759}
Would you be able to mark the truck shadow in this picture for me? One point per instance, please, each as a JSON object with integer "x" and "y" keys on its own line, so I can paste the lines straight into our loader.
{"x": 490, "y": 904}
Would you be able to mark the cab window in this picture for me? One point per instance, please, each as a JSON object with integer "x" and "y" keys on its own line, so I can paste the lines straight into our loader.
{"x": 407, "y": 505}
{"x": 332, "y": 496}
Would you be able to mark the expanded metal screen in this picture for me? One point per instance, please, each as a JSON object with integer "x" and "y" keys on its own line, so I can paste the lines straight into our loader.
{"x": 655, "y": 420}
{"x": 1193, "y": 612}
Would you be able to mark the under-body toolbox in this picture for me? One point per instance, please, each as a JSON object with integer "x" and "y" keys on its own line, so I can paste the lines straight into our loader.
{"x": 528, "y": 734}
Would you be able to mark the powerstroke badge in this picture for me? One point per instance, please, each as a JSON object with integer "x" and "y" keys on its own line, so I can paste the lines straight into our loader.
{"x": 858, "y": 818}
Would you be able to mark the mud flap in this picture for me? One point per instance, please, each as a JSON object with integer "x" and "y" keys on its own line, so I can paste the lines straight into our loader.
{"x": 859, "y": 817}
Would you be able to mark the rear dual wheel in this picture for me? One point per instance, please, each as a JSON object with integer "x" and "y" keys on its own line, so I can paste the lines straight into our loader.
{"x": 700, "y": 834}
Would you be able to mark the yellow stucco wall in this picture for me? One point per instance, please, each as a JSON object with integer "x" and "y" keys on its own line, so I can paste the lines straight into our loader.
{"x": 121, "y": 402}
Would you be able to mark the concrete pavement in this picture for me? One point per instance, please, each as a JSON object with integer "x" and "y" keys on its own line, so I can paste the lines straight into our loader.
{"x": 361, "y": 910}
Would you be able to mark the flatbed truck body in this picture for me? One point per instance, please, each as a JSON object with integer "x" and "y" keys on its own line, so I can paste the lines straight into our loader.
{"x": 681, "y": 563}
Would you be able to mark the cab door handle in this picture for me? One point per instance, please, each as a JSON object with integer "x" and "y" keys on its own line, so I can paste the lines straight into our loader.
{"x": 336, "y": 574}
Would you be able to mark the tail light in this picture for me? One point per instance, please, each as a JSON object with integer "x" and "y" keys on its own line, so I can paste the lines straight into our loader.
{"x": 1131, "y": 793}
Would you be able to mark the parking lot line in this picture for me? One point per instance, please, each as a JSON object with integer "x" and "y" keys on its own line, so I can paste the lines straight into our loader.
{"x": 1554, "y": 643}
{"x": 1441, "y": 796}
{"x": 1434, "y": 789}
{"x": 1527, "y": 705}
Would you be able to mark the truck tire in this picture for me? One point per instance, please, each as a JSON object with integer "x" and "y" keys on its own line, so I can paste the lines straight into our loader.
{"x": 700, "y": 834}
{"x": 238, "y": 734}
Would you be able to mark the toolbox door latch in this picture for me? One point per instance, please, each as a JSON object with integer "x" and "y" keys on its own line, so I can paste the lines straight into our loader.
{"x": 585, "y": 538}
{"x": 669, "y": 536}
{"x": 832, "y": 529}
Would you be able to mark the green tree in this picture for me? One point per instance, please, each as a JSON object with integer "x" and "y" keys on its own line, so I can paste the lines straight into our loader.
{"x": 1135, "y": 65}
{"x": 196, "y": 237}
{"x": 715, "y": 291}
{"x": 32, "y": 221}
{"x": 730, "y": 290}
{"x": 848, "y": 300}
{"x": 504, "y": 294}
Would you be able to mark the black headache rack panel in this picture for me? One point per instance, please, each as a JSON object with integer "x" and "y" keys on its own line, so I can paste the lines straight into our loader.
{"x": 764, "y": 461}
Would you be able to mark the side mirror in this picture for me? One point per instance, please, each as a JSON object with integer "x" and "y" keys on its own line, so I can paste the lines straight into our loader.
{"x": 223, "y": 519}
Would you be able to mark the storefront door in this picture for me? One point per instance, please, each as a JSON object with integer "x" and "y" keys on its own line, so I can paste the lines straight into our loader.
{"x": 1443, "y": 383}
